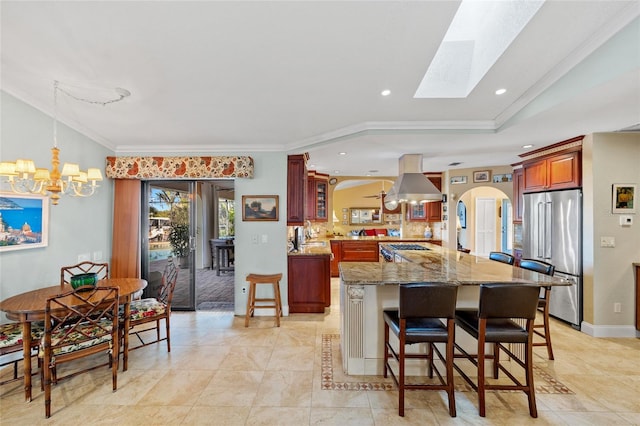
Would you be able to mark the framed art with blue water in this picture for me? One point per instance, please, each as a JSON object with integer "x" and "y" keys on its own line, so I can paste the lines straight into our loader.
{"x": 24, "y": 221}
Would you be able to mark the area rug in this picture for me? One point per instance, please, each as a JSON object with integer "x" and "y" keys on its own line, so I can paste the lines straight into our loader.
{"x": 332, "y": 363}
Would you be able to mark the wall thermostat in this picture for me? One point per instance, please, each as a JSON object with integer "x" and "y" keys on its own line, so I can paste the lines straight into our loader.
{"x": 626, "y": 220}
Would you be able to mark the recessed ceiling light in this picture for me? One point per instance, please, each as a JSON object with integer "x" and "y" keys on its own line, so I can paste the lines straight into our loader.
{"x": 527, "y": 146}
{"x": 335, "y": 172}
{"x": 455, "y": 163}
{"x": 385, "y": 92}
{"x": 373, "y": 171}
{"x": 501, "y": 91}
{"x": 342, "y": 153}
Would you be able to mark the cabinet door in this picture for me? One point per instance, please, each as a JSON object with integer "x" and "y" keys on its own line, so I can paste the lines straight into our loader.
{"x": 296, "y": 189}
{"x": 336, "y": 251}
{"x": 417, "y": 212}
{"x": 564, "y": 171}
{"x": 535, "y": 176}
{"x": 309, "y": 284}
{"x": 321, "y": 195}
{"x": 310, "y": 202}
{"x": 518, "y": 191}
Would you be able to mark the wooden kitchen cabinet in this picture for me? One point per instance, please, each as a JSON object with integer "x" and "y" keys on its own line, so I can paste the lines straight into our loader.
{"x": 560, "y": 171}
{"x": 518, "y": 192}
{"x": 336, "y": 251}
{"x": 427, "y": 212}
{"x": 309, "y": 283}
{"x": 296, "y": 188}
{"x": 317, "y": 203}
{"x": 359, "y": 251}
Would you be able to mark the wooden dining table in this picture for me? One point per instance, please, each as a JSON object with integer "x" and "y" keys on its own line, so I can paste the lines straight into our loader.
{"x": 30, "y": 306}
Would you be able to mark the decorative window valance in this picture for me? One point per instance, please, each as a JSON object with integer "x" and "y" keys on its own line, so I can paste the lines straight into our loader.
{"x": 179, "y": 167}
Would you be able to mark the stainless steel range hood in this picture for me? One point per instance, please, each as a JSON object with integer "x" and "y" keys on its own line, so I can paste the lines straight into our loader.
{"x": 412, "y": 186}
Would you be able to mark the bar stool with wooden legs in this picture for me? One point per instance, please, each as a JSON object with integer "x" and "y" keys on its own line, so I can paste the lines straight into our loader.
{"x": 275, "y": 302}
{"x": 543, "y": 302}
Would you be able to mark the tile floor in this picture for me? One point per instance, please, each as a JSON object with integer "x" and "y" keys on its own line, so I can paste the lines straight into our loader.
{"x": 221, "y": 373}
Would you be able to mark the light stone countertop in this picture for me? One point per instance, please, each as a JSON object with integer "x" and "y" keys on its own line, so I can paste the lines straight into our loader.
{"x": 440, "y": 265}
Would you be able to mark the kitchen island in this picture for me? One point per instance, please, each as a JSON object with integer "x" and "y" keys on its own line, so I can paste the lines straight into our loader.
{"x": 366, "y": 288}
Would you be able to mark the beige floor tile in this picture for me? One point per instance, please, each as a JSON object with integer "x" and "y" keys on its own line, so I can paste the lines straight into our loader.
{"x": 271, "y": 416}
{"x": 219, "y": 372}
{"x": 284, "y": 389}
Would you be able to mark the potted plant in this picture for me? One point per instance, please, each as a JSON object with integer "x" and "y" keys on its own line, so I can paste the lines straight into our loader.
{"x": 179, "y": 240}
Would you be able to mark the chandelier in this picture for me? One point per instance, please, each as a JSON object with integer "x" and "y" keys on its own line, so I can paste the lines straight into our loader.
{"x": 23, "y": 177}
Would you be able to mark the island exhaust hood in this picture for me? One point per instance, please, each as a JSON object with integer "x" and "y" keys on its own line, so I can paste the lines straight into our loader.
{"x": 412, "y": 186}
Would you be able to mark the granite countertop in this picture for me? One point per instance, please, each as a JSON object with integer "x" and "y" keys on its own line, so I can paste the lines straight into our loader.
{"x": 321, "y": 246}
{"x": 439, "y": 264}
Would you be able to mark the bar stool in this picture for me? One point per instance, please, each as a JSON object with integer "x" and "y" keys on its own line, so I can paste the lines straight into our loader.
{"x": 498, "y": 256}
{"x": 275, "y": 302}
{"x": 418, "y": 320}
{"x": 543, "y": 302}
{"x": 493, "y": 322}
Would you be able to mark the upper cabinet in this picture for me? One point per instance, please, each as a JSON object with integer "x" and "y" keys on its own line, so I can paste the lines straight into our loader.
{"x": 557, "y": 171}
{"x": 317, "y": 204}
{"x": 296, "y": 188}
{"x": 427, "y": 212}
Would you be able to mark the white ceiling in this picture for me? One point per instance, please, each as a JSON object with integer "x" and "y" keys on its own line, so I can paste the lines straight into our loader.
{"x": 210, "y": 76}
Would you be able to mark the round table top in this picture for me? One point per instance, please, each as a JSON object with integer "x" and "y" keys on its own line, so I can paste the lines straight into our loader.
{"x": 31, "y": 304}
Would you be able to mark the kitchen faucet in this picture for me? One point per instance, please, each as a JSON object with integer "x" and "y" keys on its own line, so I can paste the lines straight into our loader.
{"x": 309, "y": 229}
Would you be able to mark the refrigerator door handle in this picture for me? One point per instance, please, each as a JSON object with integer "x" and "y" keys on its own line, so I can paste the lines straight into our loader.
{"x": 540, "y": 225}
{"x": 548, "y": 231}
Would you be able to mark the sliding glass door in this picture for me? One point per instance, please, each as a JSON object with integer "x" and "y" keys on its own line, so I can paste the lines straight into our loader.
{"x": 170, "y": 219}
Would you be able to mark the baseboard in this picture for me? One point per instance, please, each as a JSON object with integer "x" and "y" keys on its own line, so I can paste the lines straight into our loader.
{"x": 609, "y": 330}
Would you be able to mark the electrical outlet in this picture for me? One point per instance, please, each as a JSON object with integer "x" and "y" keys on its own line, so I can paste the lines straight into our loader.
{"x": 254, "y": 239}
{"x": 97, "y": 255}
{"x": 617, "y": 307}
{"x": 84, "y": 257}
{"x": 264, "y": 239}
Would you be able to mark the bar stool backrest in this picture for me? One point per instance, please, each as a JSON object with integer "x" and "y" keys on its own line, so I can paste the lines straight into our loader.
{"x": 502, "y": 257}
{"x": 427, "y": 300}
{"x": 508, "y": 301}
{"x": 538, "y": 266}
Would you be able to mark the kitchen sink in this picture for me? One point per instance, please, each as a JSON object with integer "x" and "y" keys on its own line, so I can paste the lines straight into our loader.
{"x": 315, "y": 244}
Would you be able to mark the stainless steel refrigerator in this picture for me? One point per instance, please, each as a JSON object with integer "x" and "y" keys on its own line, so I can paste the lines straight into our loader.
{"x": 552, "y": 232}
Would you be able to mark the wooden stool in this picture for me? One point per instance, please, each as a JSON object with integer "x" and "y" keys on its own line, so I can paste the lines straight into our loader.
{"x": 255, "y": 279}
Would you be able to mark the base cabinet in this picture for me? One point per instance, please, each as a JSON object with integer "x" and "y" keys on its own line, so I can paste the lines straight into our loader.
{"x": 309, "y": 283}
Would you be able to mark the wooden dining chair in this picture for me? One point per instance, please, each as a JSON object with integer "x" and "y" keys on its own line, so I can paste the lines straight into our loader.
{"x": 11, "y": 343}
{"x": 543, "y": 302}
{"x": 154, "y": 309}
{"x": 86, "y": 267}
{"x": 79, "y": 323}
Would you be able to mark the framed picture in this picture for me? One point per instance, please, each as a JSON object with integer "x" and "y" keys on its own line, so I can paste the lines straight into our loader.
{"x": 508, "y": 177}
{"x": 261, "y": 208}
{"x": 24, "y": 221}
{"x": 482, "y": 176}
{"x": 462, "y": 214}
{"x": 455, "y": 180}
{"x": 624, "y": 198}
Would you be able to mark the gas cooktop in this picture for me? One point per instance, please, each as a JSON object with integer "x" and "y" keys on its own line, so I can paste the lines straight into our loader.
{"x": 407, "y": 247}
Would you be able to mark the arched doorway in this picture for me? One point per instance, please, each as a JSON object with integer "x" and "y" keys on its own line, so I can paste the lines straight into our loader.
{"x": 484, "y": 221}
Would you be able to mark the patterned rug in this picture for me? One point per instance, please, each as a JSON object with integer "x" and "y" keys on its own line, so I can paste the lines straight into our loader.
{"x": 332, "y": 363}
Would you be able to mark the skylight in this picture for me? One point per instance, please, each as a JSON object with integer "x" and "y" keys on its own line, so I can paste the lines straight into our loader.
{"x": 478, "y": 35}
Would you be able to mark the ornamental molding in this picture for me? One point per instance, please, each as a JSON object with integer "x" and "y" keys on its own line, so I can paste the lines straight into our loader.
{"x": 179, "y": 167}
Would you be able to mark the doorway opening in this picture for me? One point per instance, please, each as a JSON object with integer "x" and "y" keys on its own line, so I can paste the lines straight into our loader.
{"x": 484, "y": 221}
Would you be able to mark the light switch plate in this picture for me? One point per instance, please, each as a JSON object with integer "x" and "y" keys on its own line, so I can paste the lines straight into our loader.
{"x": 607, "y": 242}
